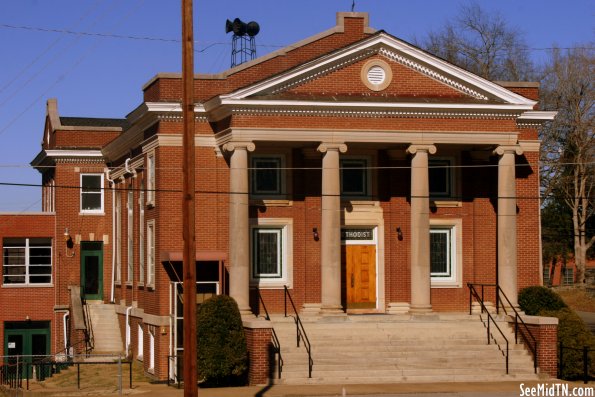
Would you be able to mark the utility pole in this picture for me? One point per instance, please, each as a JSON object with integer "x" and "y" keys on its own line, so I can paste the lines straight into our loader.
{"x": 188, "y": 200}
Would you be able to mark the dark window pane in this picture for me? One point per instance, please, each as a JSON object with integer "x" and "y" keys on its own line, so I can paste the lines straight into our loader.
{"x": 46, "y": 279}
{"x": 91, "y": 183}
{"x": 354, "y": 177}
{"x": 266, "y": 176}
{"x": 91, "y": 201}
{"x": 439, "y": 174}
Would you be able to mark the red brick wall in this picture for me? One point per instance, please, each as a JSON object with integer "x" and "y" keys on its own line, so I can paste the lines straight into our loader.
{"x": 259, "y": 345}
{"x": 546, "y": 336}
{"x": 22, "y": 301}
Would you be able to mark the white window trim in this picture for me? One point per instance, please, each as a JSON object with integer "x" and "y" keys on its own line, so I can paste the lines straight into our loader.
{"x": 99, "y": 211}
{"x": 130, "y": 236}
{"x": 27, "y": 265}
{"x": 286, "y": 226}
{"x": 151, "y": 368}
{"x": 141, "y": 238}
{"x": 456, "y": 245}
{"x": 452, "y": 177}
{"x": 282, "y": 177}
{"x": 140, "y": 341}
{"x": 151, "y": 178}
{"x": 118, "y": 209}
{"x": 367, "y": 170}
{"x": 151, "y": 253}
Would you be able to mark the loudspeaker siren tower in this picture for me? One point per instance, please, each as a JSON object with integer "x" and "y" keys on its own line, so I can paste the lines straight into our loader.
{"x": 243, "y": 43}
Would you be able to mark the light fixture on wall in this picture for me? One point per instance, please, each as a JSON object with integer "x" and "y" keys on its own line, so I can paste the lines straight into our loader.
{"x": 315, "y": 234}
{"x": 399, "y": 233}
{"x": 69, "y": 243}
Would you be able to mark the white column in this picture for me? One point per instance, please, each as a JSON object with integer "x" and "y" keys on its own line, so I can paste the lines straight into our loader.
{"x": 330, "y": 233}
{"x": 507, "y": 236}
{"x": 420, "y": 228}
{"x": 239, "y": 225}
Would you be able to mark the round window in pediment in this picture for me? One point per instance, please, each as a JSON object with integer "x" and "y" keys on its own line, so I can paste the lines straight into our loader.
{"x": 376, "y": 74}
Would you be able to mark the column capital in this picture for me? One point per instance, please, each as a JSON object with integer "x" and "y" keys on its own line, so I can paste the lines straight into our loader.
{"x": 239, "y": 145}
{"x": 513, "y": 149}
{"x": 325, "y": 147}
{"x": 414, "y": 148}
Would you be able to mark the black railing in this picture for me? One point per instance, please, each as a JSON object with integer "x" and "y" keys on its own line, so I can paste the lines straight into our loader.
{"x": 585, "y": 353}
{"x": 526, "y": 333}
{"x": 474, "y": 294}
{"x": 275, "y": 339}
{"x": 89, "y": 336}
{"x": 300, "y": 331}
{"x": 11, "y": 374}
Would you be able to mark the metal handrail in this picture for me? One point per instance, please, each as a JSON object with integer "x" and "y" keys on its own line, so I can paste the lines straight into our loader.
{"x": 473, "y": 293}
{"x": 276, "y": 343}
{"x": 517, "y": 317}
{"x": 89, "y": 336}
{"x": 300, "y": 331}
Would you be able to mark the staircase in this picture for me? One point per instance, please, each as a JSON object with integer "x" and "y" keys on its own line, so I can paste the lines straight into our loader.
{"x": 394, "y": 349}
{"x": 106, "y": 329}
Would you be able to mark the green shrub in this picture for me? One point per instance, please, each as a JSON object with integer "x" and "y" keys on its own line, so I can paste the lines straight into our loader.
{"x": 532, "y": 300}
{"x": 573, "y": 333}
{"x": 221, "y": 343}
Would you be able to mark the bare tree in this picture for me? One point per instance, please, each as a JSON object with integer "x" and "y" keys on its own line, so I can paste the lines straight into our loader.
{"x": 482, "y": 43}
{"x": 568, "y": 155}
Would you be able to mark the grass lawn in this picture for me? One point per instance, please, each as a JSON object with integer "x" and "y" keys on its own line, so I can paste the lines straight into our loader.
{"x": 577, "y": 298}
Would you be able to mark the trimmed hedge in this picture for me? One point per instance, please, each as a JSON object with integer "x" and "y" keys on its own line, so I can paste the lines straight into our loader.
{"x": 221, "y": 343}
{"x": 533, "y": 300}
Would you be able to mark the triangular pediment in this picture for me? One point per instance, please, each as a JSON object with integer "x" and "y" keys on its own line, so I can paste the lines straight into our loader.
{"x": 380, "y": 69}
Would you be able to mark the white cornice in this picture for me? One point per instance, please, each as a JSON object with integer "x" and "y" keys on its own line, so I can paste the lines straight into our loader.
{"x": 368, "y": 136}
{"x": 270, "y": 105}
{"x": 46, "y": 157}
{"x": 537, "y": 115}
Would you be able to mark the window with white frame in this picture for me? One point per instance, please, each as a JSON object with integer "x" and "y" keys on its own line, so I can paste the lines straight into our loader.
{"x": 271, "y": 252}
{"x": 267, "y": 177}
{"x": 151, "y": 252}
{"x": 140, "y": 342}
{"x": 141, "y": 236}
{"x": 27, "y": 261}
{"x": 151, "y": 368}
{"x": 118, "y": 237}
{"x": 441, "y": 177}
{"x": 92, "y": 193}
{"x": 151, "y": 179}
{"x": 355, "y": 177}
{"x": 445, "y": 252}
{"x": 130, "y": 236}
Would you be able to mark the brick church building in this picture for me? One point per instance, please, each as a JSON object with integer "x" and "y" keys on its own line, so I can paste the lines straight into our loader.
{"x": 357, "y": 170}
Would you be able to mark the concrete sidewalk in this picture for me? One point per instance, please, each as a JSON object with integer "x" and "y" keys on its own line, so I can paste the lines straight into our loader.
{"x": 501, "y": 389}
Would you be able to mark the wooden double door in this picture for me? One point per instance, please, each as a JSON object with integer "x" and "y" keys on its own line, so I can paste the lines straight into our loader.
{"x": 359, "y": 276}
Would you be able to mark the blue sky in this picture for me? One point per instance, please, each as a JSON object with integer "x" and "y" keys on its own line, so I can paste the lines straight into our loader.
{"x": 98, "y": 76}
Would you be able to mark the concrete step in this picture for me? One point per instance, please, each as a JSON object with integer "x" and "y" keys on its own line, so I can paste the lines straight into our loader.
{"x": 384, "y": 348}
{"x": 106, "y": 328}
{"x": 406, "y": 379}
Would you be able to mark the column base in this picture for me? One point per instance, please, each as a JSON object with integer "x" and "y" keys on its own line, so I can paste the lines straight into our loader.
{"x": 420, "y": 309}
{"x": 398, "y": 308}
{"x": 328, "y": 311}
{"x": 311, "y": 309}
{"x": 246, "y": 313}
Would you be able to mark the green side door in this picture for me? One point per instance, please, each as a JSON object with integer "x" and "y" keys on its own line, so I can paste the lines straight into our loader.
{"x": 92, "y": 270}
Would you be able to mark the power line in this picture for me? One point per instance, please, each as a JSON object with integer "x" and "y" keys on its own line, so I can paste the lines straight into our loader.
{"x": 199, "y": 191}
{"x": 208, "y": 44}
